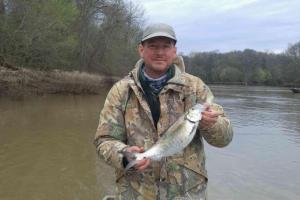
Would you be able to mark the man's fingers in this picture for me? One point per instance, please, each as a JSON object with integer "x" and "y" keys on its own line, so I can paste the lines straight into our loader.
{"x": 212, "y": 113}
{"x": 217, "y": 113}
{"x": 143, "y": 164}
{"x": 135, "y": 149}
{"x": 207, "y": 106}
{"x": 142, "y": 149}
{"x": 209, "y": 118}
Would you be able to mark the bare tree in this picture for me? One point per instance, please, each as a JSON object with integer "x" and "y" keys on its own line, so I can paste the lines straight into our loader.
{"x": 294, "y": 50}
{"x": 2, "y": 7}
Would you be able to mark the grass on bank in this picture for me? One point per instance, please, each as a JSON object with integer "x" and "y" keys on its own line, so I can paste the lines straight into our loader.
{"x": 22, "y": 81}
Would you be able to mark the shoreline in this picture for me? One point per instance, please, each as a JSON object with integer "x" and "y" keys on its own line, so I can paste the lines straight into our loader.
{"x": 18, "y": 82}
{"x": 24, "y": 82}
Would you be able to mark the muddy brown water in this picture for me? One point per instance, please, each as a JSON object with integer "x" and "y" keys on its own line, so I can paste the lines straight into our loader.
{"x": 47, "y": 151}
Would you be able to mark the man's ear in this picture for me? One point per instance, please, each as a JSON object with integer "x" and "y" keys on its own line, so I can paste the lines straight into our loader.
{"x": 175, "y": 52}
{"x": 141, "y": 50}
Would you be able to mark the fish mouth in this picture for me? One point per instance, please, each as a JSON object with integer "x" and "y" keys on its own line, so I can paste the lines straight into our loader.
{"x": 198, "y": 106}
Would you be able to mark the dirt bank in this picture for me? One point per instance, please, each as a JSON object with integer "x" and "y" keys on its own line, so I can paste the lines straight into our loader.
{"x": 21, "y": 81}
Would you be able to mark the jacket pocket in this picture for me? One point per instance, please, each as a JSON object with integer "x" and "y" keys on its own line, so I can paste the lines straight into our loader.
{"x": 192, "y": 180}
{"x": 187, "y": 175}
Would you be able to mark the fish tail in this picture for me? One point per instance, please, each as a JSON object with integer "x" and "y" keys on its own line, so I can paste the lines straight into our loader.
{"x": 130, "y": 164}
{"x": 131, "y": 157}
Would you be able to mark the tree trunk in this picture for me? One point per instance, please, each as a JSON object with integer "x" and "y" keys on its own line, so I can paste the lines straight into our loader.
{"x": 2, "y": 7}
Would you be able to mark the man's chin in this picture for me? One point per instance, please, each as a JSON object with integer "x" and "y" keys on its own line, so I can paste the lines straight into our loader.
{"x": 160, "y": 68}
{"x": 160, "y": 65}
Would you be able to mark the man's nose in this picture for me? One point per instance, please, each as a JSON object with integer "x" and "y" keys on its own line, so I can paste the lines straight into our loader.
{"x": 159, "y": 51}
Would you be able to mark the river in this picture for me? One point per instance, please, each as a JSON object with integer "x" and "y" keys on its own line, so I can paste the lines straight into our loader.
{"x": 47, "y": 151}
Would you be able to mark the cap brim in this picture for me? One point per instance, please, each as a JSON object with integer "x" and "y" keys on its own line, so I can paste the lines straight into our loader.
{"x": 159, "y": 34}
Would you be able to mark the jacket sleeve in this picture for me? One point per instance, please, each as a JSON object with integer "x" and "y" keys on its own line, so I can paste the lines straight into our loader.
{"x": 221, "y": 133}
{"x": 110, "y": 136}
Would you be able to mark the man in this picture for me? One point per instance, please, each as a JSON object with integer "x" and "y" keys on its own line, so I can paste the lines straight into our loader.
{"x": 141, "y": 106}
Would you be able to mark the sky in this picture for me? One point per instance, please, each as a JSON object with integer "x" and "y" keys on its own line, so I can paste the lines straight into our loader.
{"x": 228, "y": 25}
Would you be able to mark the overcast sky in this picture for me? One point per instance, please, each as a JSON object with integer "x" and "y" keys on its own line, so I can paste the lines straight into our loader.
{"x": 227, "y": 25}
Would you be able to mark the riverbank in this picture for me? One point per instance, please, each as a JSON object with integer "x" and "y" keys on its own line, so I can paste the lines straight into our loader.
{"x": 16, "y": 81}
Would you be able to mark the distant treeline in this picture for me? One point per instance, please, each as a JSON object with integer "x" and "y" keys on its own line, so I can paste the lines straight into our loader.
{"x": 247, "y": 67}
{"x": 102, "y": 36}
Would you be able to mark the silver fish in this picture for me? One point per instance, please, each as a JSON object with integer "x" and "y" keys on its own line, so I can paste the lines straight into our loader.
{"x": 174, "y": 139}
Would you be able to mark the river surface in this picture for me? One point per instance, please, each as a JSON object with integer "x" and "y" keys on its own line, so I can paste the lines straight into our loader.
{"x": 47, "y": 151}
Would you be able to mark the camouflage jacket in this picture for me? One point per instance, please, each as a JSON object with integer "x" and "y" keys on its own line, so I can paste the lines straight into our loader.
{"x": 126, "y": 120}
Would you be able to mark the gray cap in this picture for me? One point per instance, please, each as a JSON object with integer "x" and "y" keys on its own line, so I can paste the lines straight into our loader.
{"x": 159, "y": 30}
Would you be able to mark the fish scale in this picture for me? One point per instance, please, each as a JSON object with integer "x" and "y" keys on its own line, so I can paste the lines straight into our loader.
{"x": 174, "y": 139}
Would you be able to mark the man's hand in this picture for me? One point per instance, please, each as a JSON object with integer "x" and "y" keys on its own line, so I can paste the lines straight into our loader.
{"x": 209, "y": 117}
{"x": 141, "y": 164}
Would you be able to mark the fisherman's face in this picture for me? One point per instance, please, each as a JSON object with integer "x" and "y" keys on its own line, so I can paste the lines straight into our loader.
{"x": 158, "y": 54}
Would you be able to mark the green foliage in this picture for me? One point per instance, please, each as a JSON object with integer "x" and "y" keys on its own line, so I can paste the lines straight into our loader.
{"x": 247, "y": 67}
{"x": 39, "y": 34}
{"x": 230, "y": 74}
{"x": 109, "y": 32}
{"x": 102, "y": 36}
{"x": 261, "y": 76}
{"x": 87, "y": 35}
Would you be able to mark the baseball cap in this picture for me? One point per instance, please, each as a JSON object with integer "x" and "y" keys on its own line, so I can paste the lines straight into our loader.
{"x": 159, "y": 30}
